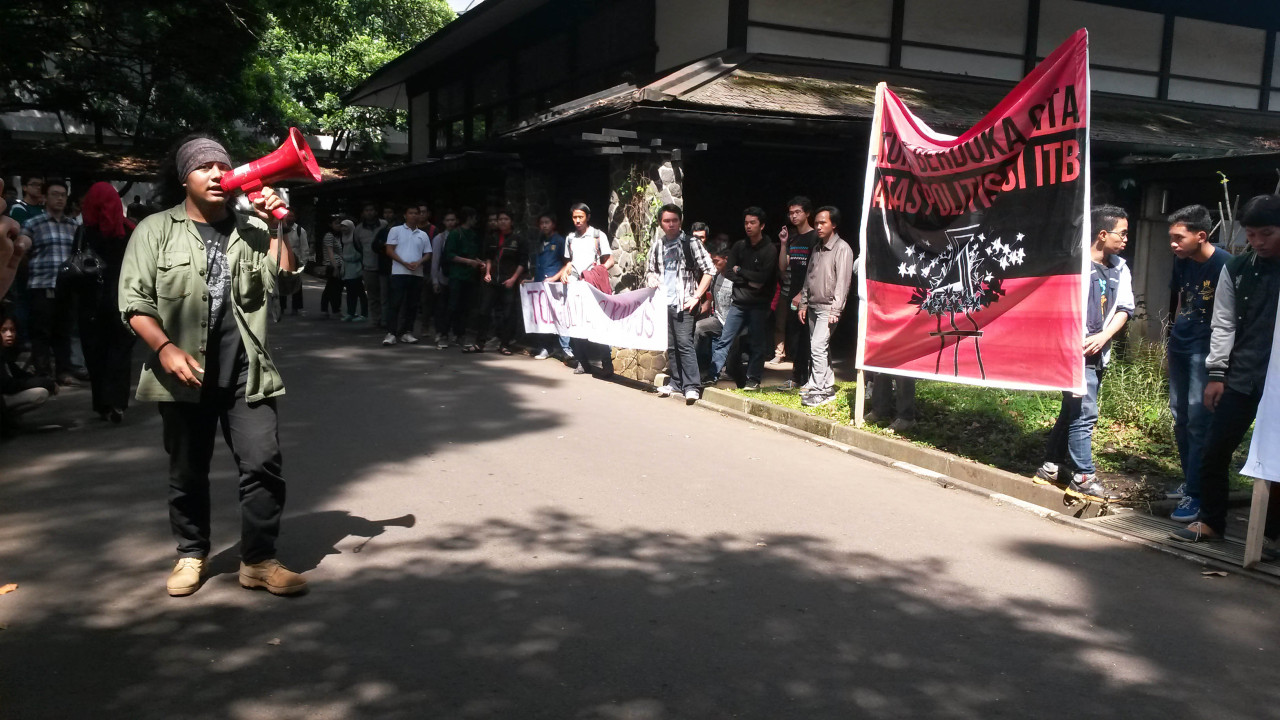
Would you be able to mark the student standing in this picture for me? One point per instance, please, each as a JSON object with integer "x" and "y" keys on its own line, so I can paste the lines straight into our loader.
{"x": 682, "y": 270}
{"x": 194, "y": 287}
{"x": 1111, "y": 304}
{"x": 753, "y": 270}
{"x": 1195, "y": 280}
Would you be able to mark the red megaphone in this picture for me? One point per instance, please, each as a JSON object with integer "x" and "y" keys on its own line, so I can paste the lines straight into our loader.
{"x": 293, "y": 160}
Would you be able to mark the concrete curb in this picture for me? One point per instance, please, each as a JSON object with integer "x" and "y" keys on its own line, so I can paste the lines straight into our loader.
{"x": 969, "y": 476}
{"x": 894, "y": 450}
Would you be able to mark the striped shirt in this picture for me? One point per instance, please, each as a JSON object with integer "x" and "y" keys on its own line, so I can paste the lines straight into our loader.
{"x": 51, "y": 244}
{"x": 690, "y": 247}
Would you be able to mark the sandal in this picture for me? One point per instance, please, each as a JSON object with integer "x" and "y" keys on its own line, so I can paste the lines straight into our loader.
{"x": 473, "y": 349}
{"x": 505, "y": 350}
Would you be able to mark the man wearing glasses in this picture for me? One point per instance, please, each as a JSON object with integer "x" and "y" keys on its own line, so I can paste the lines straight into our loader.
{"x": 1110, "y": 306}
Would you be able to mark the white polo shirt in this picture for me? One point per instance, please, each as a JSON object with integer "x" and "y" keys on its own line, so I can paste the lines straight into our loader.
{"x": 410, "y": 245}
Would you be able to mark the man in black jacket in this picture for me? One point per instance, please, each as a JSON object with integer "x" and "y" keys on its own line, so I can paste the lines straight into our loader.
{"x": 753, "y": 269}
{"x": 1244, "y": 319}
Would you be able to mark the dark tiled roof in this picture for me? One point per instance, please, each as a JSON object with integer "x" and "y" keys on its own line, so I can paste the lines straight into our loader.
{"x": 783, "y": 87}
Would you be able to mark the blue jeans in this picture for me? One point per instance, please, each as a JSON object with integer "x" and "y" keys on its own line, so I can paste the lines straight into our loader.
{"x": 1071, "y": 439}
{"x": 759, "y": 337}
{"x": 682, "y": 356}
{"x": 1191, "y": 419}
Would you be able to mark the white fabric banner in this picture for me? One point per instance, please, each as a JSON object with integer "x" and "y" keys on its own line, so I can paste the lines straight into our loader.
{"x": 1264, "y": 451}
{"x": 635, "y": 319}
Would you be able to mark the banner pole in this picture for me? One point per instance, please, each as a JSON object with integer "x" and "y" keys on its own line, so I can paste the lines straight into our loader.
{"x": 873, "y": 153}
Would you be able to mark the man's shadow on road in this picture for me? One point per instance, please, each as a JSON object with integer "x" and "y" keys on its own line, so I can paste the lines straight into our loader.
{"x": 314, "y": 536}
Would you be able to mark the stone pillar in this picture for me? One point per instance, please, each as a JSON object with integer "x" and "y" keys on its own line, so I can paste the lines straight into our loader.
{"x": 639, "y": 186}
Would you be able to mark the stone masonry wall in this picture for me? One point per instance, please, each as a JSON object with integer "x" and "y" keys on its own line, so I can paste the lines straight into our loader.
{"x": 639, "y": 186}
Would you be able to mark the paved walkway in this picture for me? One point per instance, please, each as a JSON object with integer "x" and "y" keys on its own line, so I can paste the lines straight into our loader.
{"x": 493, "y": 537}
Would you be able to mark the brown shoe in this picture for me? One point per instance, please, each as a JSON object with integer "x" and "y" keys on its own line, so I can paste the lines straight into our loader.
{"x": 276, "y": 578}
{"x": 186, "y": 577}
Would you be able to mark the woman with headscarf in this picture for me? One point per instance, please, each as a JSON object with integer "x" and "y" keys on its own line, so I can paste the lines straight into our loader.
{"x": 107, "y": 343}
{"x": 353, "y": 273}
{"x": 331, "y": 257}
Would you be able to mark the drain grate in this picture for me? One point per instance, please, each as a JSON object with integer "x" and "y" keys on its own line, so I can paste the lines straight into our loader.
{"x": 1157, "y": 529}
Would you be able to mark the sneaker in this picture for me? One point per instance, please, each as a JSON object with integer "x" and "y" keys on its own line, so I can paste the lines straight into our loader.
{"x": 1194, "y": 533}
{"x": 186, "y": 577}
{"x": 347, "y": 318}
{"x": 874, "y": 417}
{"x": 442, "y": 342}
{"x": 665, "y": 390}
{"x": 902, "y": 425}
{"x": 542, "y": 355}
{"x": 276, "y": 578}
{"x": 358, "y": 318}
{"x": 580, "y": 369}
{"x": 710, "y": 381}
{"x": 407, "y": 338}
{"x": 817, "y": 399}
{"x": 568, "y": 354}
{"x": 752, "y": 385}
{"x": 690, "y": 397}
{"x": 1047, "y": 474}
{"x": 1177, "y": 494}
{"x": 790, "y": 385}
{"x": 1188, "y": 510}
{"x": 1087, "y": 487}
{"x": 390, "y": 339}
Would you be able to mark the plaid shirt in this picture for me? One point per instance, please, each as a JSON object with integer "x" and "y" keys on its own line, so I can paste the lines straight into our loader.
{"x": 51, "y": 243}
{"x": 688, "y": 278}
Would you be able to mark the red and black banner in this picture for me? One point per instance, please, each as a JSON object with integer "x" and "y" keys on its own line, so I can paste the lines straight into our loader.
{"x": 973, "y": 246}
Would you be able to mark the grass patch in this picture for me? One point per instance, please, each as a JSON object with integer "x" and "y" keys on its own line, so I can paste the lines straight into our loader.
{"x": 1008, "y": 428}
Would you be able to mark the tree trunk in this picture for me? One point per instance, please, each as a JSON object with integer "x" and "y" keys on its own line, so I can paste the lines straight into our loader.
{"x": 337, "y": 140}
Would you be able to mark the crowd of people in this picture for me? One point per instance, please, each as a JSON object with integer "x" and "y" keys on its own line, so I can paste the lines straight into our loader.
{"x": 729, "y": 306}
{"x": 459, "y": 285}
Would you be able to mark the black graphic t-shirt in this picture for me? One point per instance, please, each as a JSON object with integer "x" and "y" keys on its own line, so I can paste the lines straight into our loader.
{"x": 1196, "y": 284}
{"x": 226, "y": 363}
{"x": 799, "y": 248}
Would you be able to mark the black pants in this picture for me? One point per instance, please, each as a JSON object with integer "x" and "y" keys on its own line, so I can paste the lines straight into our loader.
{"x": 682, "y": 354}
{"x": 459, "y": 305}
{"x": 402, "y": 310}
{"x": 108, "y": 347}
{"x": 52, "y": 321}
{"x": 331, "y": 296}
{"x": 586, "y": 352}
{"x": 797, "y": 344}
{"x": 1231, "y": 420}
{"x": 296, "y": 299}
{"x": 355, "y": 291}
{"x": 440, "y": 314}
{"x": 251, "y": 431}
{"x": 499, "y": 314}
{"x": 893, "y": 396}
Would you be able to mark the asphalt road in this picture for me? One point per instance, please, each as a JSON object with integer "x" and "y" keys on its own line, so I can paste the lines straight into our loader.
{"x": 492, "y": 537}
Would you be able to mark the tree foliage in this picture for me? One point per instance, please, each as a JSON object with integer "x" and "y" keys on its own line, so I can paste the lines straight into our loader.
{"x": 315, "y": 52}
{"x": 152, "y": 69}
{"x": 137, "y": 69}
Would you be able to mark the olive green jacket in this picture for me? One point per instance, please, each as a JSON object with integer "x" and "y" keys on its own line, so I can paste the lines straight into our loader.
{"x": 163, "y": 276}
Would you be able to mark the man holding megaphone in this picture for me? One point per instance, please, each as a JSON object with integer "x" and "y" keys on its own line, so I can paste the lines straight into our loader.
{"x": 195, "y": 286}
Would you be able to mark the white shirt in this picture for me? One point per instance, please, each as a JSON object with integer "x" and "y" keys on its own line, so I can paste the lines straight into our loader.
{"x": 586, "y": 249}
{"x": 410, "y": 245}
{"x": 1264, "y": 452}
